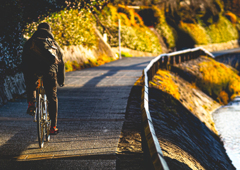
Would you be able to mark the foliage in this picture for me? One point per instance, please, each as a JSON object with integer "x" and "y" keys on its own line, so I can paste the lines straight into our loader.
{"x": 75, "y": 65}
{"x": 125, "y": 10}
{"x": 165, "y": 83}
{"x": 150, "y": 15}
{"x": 141, "y": 39}
{"x": 135, "y": 37}
{"x": 231, "y": 17}
{"x": 70, "y": 27}
{"x": 124, "y": 19}
{"x": 125, "y": 54}
{"x": 14, "y": 14}
{"x": 136, "y": 2}
{"x": 138, "y": 19}
{"x": 189, "y": 11}
{"x": 10, "y": 37}
{"x": 197, "y": 32}
{"x": 218, "y": 81}
{"x": 222, "y": 31}
{"x": 232, "y": 6}
{"x": 164, "y": 29}
{"x": 130, "y": 17}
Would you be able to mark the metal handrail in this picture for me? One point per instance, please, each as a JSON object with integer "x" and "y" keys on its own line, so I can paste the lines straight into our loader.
{"x": 161, "y": 61}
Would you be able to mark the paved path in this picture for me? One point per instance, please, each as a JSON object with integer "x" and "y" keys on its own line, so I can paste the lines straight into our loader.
{"x": 91, "y": 113}
{"x": 218, "y": 53}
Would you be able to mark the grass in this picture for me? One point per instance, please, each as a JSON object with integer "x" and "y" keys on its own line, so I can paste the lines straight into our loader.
{"x": 165, "y": 83}
{"x": 217, "y": 80}
{"x": 80, "y": 57}
{"x": 125, "y": 54}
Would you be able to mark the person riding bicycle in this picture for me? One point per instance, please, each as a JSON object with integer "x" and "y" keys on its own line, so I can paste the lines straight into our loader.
{"x": 38, "y": 58}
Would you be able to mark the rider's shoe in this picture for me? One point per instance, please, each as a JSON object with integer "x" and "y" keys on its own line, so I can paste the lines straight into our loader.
{"x": 53, "y": 130}
{"x": 31, "y": 108}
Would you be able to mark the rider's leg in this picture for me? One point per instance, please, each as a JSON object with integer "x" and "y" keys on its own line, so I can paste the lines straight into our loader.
{"x": 31, "y": 84}
{"x": 50, "y": 85}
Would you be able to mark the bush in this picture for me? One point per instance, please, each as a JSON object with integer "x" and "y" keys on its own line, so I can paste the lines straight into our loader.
{"x": 197, "y": 32}
{"x": 10, "y": 37}
{"x": 125, "y": 10}
{"x": 138, "y": 19}
{"x": 218, "y": 81}
{"x": 222, "y": 31}
{"x": 124, "y": 19}
{"x": 150, "y": 15}
{"x": 164, "y": 29}
{"x": 141, "y": 39}
{"x": 231, "y": 17}
{"x": 136, "y": 37}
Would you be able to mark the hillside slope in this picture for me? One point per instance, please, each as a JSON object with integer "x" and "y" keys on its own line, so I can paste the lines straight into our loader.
{"x": 182, "y": 119}
{"x": 183, "y": 122}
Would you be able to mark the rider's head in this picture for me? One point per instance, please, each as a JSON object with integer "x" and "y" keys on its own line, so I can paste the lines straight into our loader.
{"x": 44, "y": 25}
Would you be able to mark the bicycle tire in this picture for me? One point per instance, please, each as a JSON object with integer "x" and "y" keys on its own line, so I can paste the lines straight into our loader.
{"x": 48, "y": 123}
{"x": 40, "y": 123}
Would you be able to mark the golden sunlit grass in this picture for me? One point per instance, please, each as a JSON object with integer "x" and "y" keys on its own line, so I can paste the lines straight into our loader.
{"x": 79, "y": 57}
{"x": 218, "y": 81}
{"x": 165, "y": 83}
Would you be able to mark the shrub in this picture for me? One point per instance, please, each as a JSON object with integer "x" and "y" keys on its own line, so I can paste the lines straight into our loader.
{"x": 231, "y": 17}
{"x": 124, "y": 19}
{"x": 150, "y": 15}
{"x": 125, "y": 10}
{"x": 125, "y": 54}
{"x": 141, "y": 39}
{"x": 223, "y": 98}
{"x": 165, "y": 30}
{"x": 197, "y": 32}
{"x": 102, "y": 59}
{"x": 11, "y": 40}
{"x": 138, "y": 19}
{"x": 68, "y": 66}
{"x": 222, "y": 31}
{"x": 113, "y": 11}
{"x": 137, "y": 38}
{"x": 218, "y": 81}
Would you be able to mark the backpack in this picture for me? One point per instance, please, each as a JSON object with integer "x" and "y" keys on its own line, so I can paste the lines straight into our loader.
{"x": 45, "y": 50}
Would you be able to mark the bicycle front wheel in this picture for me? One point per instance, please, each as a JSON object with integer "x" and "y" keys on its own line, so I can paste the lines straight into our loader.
{"x": 40, "y": 122}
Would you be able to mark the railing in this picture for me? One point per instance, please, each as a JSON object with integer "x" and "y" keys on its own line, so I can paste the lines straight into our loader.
{"x": 163, "y": 61}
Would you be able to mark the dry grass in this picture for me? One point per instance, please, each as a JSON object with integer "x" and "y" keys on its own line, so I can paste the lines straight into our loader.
{"x": 79, "y": 57}
{"x": 163, "y": 80}
{"x": 218, "y": 81}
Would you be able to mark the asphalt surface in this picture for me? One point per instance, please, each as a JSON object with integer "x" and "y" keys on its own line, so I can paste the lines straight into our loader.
{"x": 92, "y": 108}
{"x": 219, "y": 53}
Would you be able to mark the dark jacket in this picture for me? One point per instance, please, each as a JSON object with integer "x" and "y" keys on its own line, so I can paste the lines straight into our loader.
{"x": 45, "y": 61}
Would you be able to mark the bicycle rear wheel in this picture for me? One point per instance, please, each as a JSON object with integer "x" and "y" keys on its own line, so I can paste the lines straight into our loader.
{"x": 40, "y": 122}
{"x": 48, "y": 121}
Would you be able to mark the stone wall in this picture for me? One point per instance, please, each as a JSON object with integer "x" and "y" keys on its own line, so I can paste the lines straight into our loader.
{"x": 220, "y": 46}
{"x": 10, "y": 87}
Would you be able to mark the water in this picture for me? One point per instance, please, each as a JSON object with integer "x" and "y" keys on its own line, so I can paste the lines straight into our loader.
{"x": 227, "y": 121}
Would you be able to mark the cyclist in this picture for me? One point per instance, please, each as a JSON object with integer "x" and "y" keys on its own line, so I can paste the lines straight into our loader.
{"x": 38, "y": 58}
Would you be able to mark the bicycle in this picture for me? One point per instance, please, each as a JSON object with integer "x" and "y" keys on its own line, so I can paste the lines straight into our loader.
{"x": 42, "y": 115}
